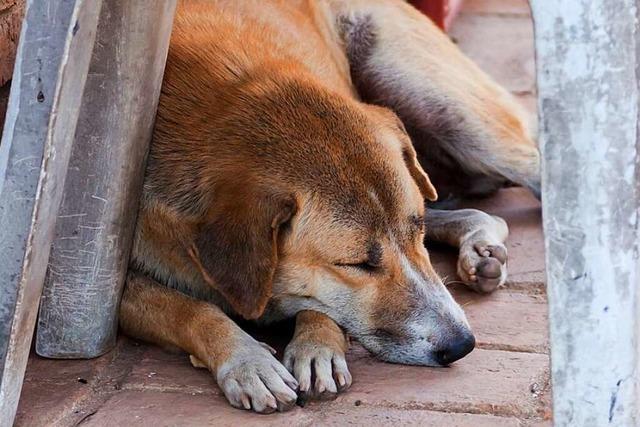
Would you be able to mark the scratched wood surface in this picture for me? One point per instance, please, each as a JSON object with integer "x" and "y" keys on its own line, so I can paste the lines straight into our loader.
{"x": 90, "y": 253}
{"x": 587, "y": 54}
{"x": 50, "y": 71}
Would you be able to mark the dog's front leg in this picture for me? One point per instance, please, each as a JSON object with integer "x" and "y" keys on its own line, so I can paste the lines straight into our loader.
{"x": 245, "y": 369}
{"x": 318, "y": 345}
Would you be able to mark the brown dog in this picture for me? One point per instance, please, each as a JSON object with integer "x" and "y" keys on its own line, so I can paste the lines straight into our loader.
{"x": 275, "y": 188}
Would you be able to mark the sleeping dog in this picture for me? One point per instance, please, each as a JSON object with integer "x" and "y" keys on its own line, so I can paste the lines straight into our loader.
{"x": 295, "y": 146}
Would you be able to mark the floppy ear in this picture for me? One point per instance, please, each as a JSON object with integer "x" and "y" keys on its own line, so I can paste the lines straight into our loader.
{"x": 418, "y": 174}
{"x": 236, "y": 249}
{"x": 410, "y": 158}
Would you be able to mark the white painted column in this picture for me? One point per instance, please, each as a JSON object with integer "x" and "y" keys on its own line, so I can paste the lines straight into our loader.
{"x": 587, "y": 58}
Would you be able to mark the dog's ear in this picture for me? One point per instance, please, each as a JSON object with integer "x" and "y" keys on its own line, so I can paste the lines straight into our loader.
{"x": 409, "y": 155}
{"x": 418, "y": 174}
{"x": 236, "y": 249}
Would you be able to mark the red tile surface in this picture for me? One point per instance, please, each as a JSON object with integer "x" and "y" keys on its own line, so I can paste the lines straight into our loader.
{"x": 506, "y": 319}
{"x": 486, "y": 381}
{"x": 497, "y": 7}
{"x": 501, "y": 45}
{"x": 169, "y": 409}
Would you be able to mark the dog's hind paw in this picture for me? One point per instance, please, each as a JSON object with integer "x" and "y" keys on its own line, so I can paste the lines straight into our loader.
{"x": 482, "y": 262}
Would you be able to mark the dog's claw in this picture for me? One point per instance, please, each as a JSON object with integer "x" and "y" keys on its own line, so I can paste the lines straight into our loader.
{"x": 196, "y": 363}
{"x": 267, "y": 347}
{"x": 328, "y": 365}
{"x": 246, "y": 403}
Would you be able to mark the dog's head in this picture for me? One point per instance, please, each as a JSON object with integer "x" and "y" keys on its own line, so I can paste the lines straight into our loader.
{"x": 318, "y": 205}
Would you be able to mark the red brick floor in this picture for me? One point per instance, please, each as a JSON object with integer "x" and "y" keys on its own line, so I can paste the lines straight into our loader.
{"x": 504, "y": 382}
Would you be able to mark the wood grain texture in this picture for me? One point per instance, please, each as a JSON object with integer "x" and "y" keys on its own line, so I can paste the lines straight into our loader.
{"x": 51, "y": 68}
{"x": 587, "y": 52}
{"x": 94, "y": 231}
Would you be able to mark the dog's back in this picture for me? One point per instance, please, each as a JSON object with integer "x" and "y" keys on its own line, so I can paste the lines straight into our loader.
{"x": 231, "y": 39}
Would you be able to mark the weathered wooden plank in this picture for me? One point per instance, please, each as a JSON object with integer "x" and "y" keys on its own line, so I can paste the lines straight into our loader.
{"x": 587, "y": 53}
{"x": 51, "y": 67}
{"x": 90, "y": 253}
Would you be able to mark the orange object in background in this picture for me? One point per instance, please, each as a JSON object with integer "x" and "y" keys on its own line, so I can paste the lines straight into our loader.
{"x": 442, "y": 12}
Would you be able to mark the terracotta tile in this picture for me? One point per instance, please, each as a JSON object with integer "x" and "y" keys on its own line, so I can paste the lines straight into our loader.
{"x": 501, "y": 46}
{"x": 172, "y": 409}
{"x": 161, "y": 370}
{"x": 63, "y": 392}
{"x": 497, "y": 7}
{"x": 52, "y": 389}
{"x": 136, "y": 408}
{"x": 373, "y": 417}
{"x": 506, "y": 319}
{"x": 486, "y": 381}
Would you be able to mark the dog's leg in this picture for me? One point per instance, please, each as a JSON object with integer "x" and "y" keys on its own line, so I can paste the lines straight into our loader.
{"x": 459, "y": 119}
{"x": 245, "y": 369}
{"x": 482, "y": 261}
{"x": 318, "y": 345}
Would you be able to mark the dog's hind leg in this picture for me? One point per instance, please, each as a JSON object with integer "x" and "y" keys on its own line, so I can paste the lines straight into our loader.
{"x": 480, "y": 237}
{"x": 246, "y": 371}
{"x": 462, "y": 123}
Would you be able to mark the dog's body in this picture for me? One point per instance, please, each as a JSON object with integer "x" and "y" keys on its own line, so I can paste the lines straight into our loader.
{"x": 273, "y": 190}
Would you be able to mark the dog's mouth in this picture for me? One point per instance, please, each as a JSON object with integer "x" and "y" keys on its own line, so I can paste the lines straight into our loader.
{"x": 390, "y": 346}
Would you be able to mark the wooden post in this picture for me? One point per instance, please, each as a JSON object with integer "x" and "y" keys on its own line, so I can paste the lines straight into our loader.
{"x": 94, "y": 232}
{"x": 49, "y": 75}
{"x": 588, "y": 62}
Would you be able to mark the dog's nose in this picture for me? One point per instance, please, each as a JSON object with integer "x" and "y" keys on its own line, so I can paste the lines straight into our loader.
{"x": 456, "y": 349}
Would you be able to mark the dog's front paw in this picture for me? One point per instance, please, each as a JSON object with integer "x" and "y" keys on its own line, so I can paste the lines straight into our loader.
{"x": 253, "y": 379}
{"x": 482, "y": 263}
{"x": 320, "y": 368}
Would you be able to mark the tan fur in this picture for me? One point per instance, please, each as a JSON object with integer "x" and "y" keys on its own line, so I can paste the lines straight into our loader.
{"x": 142, "y": 295}
{"x": 274, "y": 191}
{"x": 318, "y": 337}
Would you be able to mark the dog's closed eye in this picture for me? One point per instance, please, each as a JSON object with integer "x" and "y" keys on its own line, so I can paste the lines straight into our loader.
{"x": 371, "y": 264}
{"x": 363, "y": 266}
